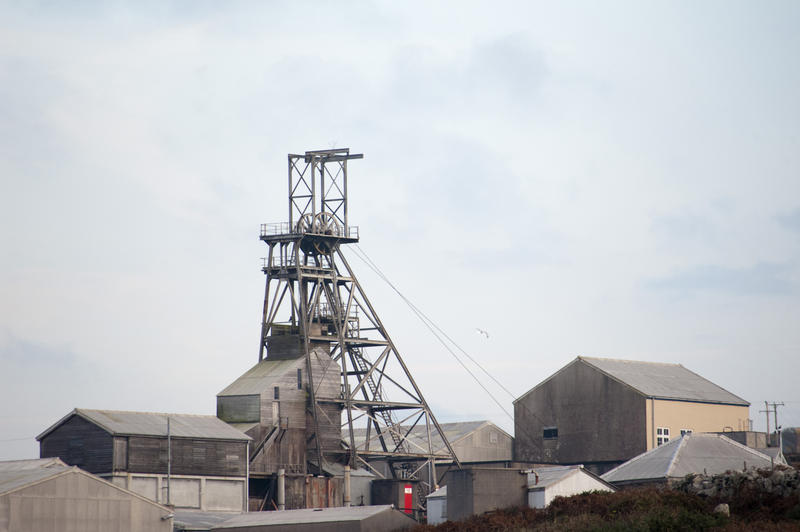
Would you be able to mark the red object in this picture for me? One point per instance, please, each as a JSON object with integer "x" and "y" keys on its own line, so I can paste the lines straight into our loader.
{"x": 408, "y": 499}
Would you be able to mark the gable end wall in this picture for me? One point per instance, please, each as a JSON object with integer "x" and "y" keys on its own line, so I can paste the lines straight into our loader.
{"x": 80, "y": 443}
{"x": 598, "y": 419}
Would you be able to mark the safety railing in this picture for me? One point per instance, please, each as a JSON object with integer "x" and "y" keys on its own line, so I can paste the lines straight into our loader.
{"x": 284, "y": 228}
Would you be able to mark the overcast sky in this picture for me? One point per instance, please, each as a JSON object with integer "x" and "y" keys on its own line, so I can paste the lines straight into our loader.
{"x": 616, "y": 179}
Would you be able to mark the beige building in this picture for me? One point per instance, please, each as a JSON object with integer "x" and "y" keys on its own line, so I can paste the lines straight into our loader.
{"x": 47, "y": 494}
{"x": 602, "y": 412}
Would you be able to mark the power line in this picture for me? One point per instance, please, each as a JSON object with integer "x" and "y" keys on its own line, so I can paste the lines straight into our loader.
{"x": 432, "y": 327}
{"x": 420, "y": 313}
{"x": 17, "y": 439}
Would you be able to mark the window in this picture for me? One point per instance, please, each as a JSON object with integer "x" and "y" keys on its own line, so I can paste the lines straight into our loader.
{"x": 684, "y": 432}
{"x": 299, "y": 379}
{"x": 493, "y": 437}
{"x": 662, "y": 435}
{"x": 550, "y": 433}
{"x": 276, "y": 393}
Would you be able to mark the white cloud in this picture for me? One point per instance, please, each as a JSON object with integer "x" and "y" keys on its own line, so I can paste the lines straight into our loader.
{"x": 529, "y": 169}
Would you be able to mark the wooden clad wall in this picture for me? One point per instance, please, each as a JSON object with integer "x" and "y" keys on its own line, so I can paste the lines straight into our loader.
{"x": 328, "y": 385}
{"x": 80, "y": 443}
{"x": 189, "y": 456}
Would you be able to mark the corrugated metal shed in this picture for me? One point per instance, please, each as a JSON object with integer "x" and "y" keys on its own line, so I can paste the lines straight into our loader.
{"x": 693, "y": 453}
{"x": 46, "y": 494}
{"x": 664, "y": 381}
{"x": 15, "y": 474}
{"x": 262, "y": 376}
{"x": 119, "y": 423}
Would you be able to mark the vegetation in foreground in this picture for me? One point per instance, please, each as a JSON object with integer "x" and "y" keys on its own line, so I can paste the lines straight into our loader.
{"x": 642, "y": 509}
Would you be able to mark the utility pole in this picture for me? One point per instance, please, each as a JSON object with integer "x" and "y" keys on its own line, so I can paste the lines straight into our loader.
{"x": 775, "y": 411}
{"x": 766, "y": 405}
{"x": 169, "y": 461}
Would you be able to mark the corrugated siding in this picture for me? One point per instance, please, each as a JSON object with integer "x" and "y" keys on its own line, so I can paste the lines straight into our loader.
{"x": 189, "y": 457}
{"x": 80, "y": 443}
{"x": 76, "y": 501}
{"x": 120, "y": 453}
{"x": 239, "y": 408}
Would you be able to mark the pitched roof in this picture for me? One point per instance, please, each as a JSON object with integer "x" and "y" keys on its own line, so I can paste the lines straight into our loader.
{"x": 544, "y": 477}
{"x": 664, "y": 381}
{"x": 692, "y": 453}
{"x": 419, "y": 434}
{"x": 310, "y": 515}
{"x": 199, "y": 520}
{"x": 15, "y": 474}
{"x": 262, "y": 376}
{"x": 18, "y": 474}
{"x": 118, "y": 423}
{"x": 655, "y": 380}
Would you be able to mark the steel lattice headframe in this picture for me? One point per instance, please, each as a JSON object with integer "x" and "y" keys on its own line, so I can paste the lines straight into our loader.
{"x": 313, "y": 289}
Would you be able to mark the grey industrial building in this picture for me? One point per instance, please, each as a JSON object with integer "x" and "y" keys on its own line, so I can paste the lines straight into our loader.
{"x": 47, "y": 494}
{"x": 601, "y": 412}
{"x": 188, "y": 461}
{"x": 472, "y": 441}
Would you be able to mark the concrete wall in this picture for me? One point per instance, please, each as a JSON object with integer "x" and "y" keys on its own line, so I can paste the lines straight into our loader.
{"x": 392, "y": 491}
{"x": 475, "y": 491}
{"x": 752, "y": 439}
{"x": 360, "y": 490}
{"x": 598, "y": 419}
{"x": 188, "y": 492}
{"x": 698, "y": 417}
{"x": 77, "y": 502}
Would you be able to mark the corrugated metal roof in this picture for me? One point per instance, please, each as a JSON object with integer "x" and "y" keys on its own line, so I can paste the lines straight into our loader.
{"x": 197, "y": 520}
{"x": 121, "y": 423}
{"x": 544, "y": 477}
{"x": 693, "y": 453}
{"x": 419, "y": 435}
{"x": 16, "y": 474}
{"x": 262, "y": 376}
{"x": 311, "y": 515}
{"x": 664, "y": 381}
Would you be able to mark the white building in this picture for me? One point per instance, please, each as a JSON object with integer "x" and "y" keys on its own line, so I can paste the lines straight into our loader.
{"x": 437, "y": 506}
{"x": 547, "y": 483}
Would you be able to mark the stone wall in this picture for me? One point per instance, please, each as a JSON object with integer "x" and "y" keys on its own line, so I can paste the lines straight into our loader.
{"x": 781, "y": 482}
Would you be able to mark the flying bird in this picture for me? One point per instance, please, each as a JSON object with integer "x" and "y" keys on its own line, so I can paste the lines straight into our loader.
{"x": 481, "y": 331}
